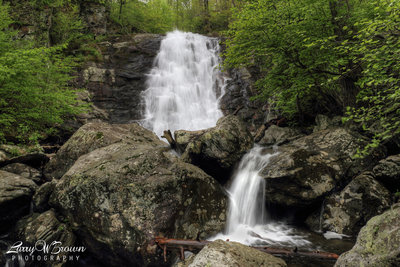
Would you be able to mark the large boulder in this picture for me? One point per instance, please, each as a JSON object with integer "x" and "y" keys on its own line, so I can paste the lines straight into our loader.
{"x": 42, "y": 195}
{"x": 276, "y": 135}
{"x": 90, "y": 137}
{"x": 228, "y": 254}
{"x": 347, "y": 211}
{"x": 15, "y": 198}
{"x": 388, "y": 172}
{"x": 123, "y": 195}
{"x": 378, "y": 243}
{"x": 218, "y": 149}
{"x": 312, "y": 166}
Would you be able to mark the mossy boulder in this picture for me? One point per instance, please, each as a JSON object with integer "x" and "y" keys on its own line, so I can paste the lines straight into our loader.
{"x": 312, "y": 166}
{"x": 218, "y": 149}
{"x": 347, "y": 211}
{"x": 123, "y": 195}
{"x": 378, "y": 243}
{"x": 90, "y": 137}
{"x": 228, "y": 254}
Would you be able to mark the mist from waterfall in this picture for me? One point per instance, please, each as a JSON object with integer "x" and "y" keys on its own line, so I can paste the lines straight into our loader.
{"x": 185, "y": 84}
{"x": 247, "y": 220}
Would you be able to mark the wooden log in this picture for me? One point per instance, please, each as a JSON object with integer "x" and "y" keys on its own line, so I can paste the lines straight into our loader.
{"x": 167, "y": 135}
{"x": 181, "y": 245}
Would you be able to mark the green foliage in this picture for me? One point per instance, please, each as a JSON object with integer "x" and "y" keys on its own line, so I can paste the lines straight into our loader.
{"x": 34, "y": 92}
{"x": 67, "y": 26}
{"x": 323, "y": 56}
{"x": 154, "y": 16}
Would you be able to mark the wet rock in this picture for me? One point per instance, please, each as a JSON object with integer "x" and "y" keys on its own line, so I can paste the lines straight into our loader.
{"x": 378, "y": 243}
{"x": 123, "y": 195}
{"x": 15, "y": 198}
{"x": 347, "y": 211}
{"x": 90, "y": 137}
{"x": 227, "y": 254}
{"x": 24, "y": 171}
{"x": 45, "y": 227}
{"x": 236, "y": 100}
{"x": 183, "y": 138}
{"x": 312, "y": 166}
{"x": 278, "y": 135}
{"x": 218, "y": 149}
{"x": 388, "y": 172}
{"x": 42, "y": 195}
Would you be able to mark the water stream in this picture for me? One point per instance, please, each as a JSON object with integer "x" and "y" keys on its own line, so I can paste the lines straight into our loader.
{"x": 184, "y": 86}
{"x": 247, "y": 220}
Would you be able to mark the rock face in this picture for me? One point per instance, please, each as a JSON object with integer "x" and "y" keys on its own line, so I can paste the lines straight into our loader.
{"x": 117, "y": 80}
{"x": 236, "y": 100}
{"x": 378, "y": 243}
{"x": 388, "y": 172}
{"x": 90, "y": 137}
{"x": 15, "y": 198}
{"x": 310, "y": 167}
{"x": 346, "y": 212}
{"x": 123, "y": 195}
{"x": 218, "y": 149}
{"x": 228, "y": 254}
{"x": 278, "y": 135}
{"x": 42, "y": 195}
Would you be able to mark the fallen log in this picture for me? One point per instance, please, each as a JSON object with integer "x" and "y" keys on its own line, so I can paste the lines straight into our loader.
{"x": 182, "y": 245}
{"x": 168, "y": 135}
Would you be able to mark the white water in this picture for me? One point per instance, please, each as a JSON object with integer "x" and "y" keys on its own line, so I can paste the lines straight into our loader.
{"x": 247, "y": 220}
{"x": 184, "y": 85}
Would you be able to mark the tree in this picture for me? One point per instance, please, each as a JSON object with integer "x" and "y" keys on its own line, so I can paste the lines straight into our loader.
{"x": 34, "y": 92}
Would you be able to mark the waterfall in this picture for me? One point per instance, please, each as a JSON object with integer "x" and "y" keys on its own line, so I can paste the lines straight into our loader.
{"x": 247, "y": 221}
{"x": 184, "y": 86}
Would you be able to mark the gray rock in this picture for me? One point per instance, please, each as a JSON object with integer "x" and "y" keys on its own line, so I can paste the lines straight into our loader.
{"x": 312, "y": 166}
{"x": 218, "y": 149}
{"x": 123, "y": 195}
{"x": 347, "y": 211}
{"x": 228, "y": 254}
{"x": 24, "y": 171}
{"x": 15, "y": 198}
{"x": 323, "y": 122}
{"x": 278, "y": 135}
{"x": 90, "y": 137}
{"x": 42, "y": 195}
{"x": 45, "y": 227}
{"x": 388, "y": 172}
{"x": 378, "y": 243}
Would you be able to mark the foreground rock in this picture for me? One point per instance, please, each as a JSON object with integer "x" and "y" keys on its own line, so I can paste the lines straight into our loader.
{"x": 378, "y": 243}
{"x": 312, "y": 166}
{"x": 346, "y": 212}
{"x": 15, "y": 198}
{"x": 90, "y": 137}
{"x": 218, "y": 149}
{"x": 388, "y": 172}
{"x": 45, "y": 227}
{"x": 227, "y": 254}
{"x": 123, "y": 195}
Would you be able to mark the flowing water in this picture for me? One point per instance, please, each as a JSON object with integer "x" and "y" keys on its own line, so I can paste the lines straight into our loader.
{"x": 185, "y": 84}
{"x": 247, "y": 220}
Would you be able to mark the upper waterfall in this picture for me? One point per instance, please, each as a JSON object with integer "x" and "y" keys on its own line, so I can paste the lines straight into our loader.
{"x": 184, "y": 86}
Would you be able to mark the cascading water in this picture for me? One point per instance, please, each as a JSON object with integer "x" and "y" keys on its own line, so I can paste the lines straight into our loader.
{"x": 184, "y": 85}
{"x": 247, "y": 219}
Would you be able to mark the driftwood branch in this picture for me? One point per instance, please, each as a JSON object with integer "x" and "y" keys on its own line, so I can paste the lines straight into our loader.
{"x": 180, "y": 245}
{"x": 167, "y": 135}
